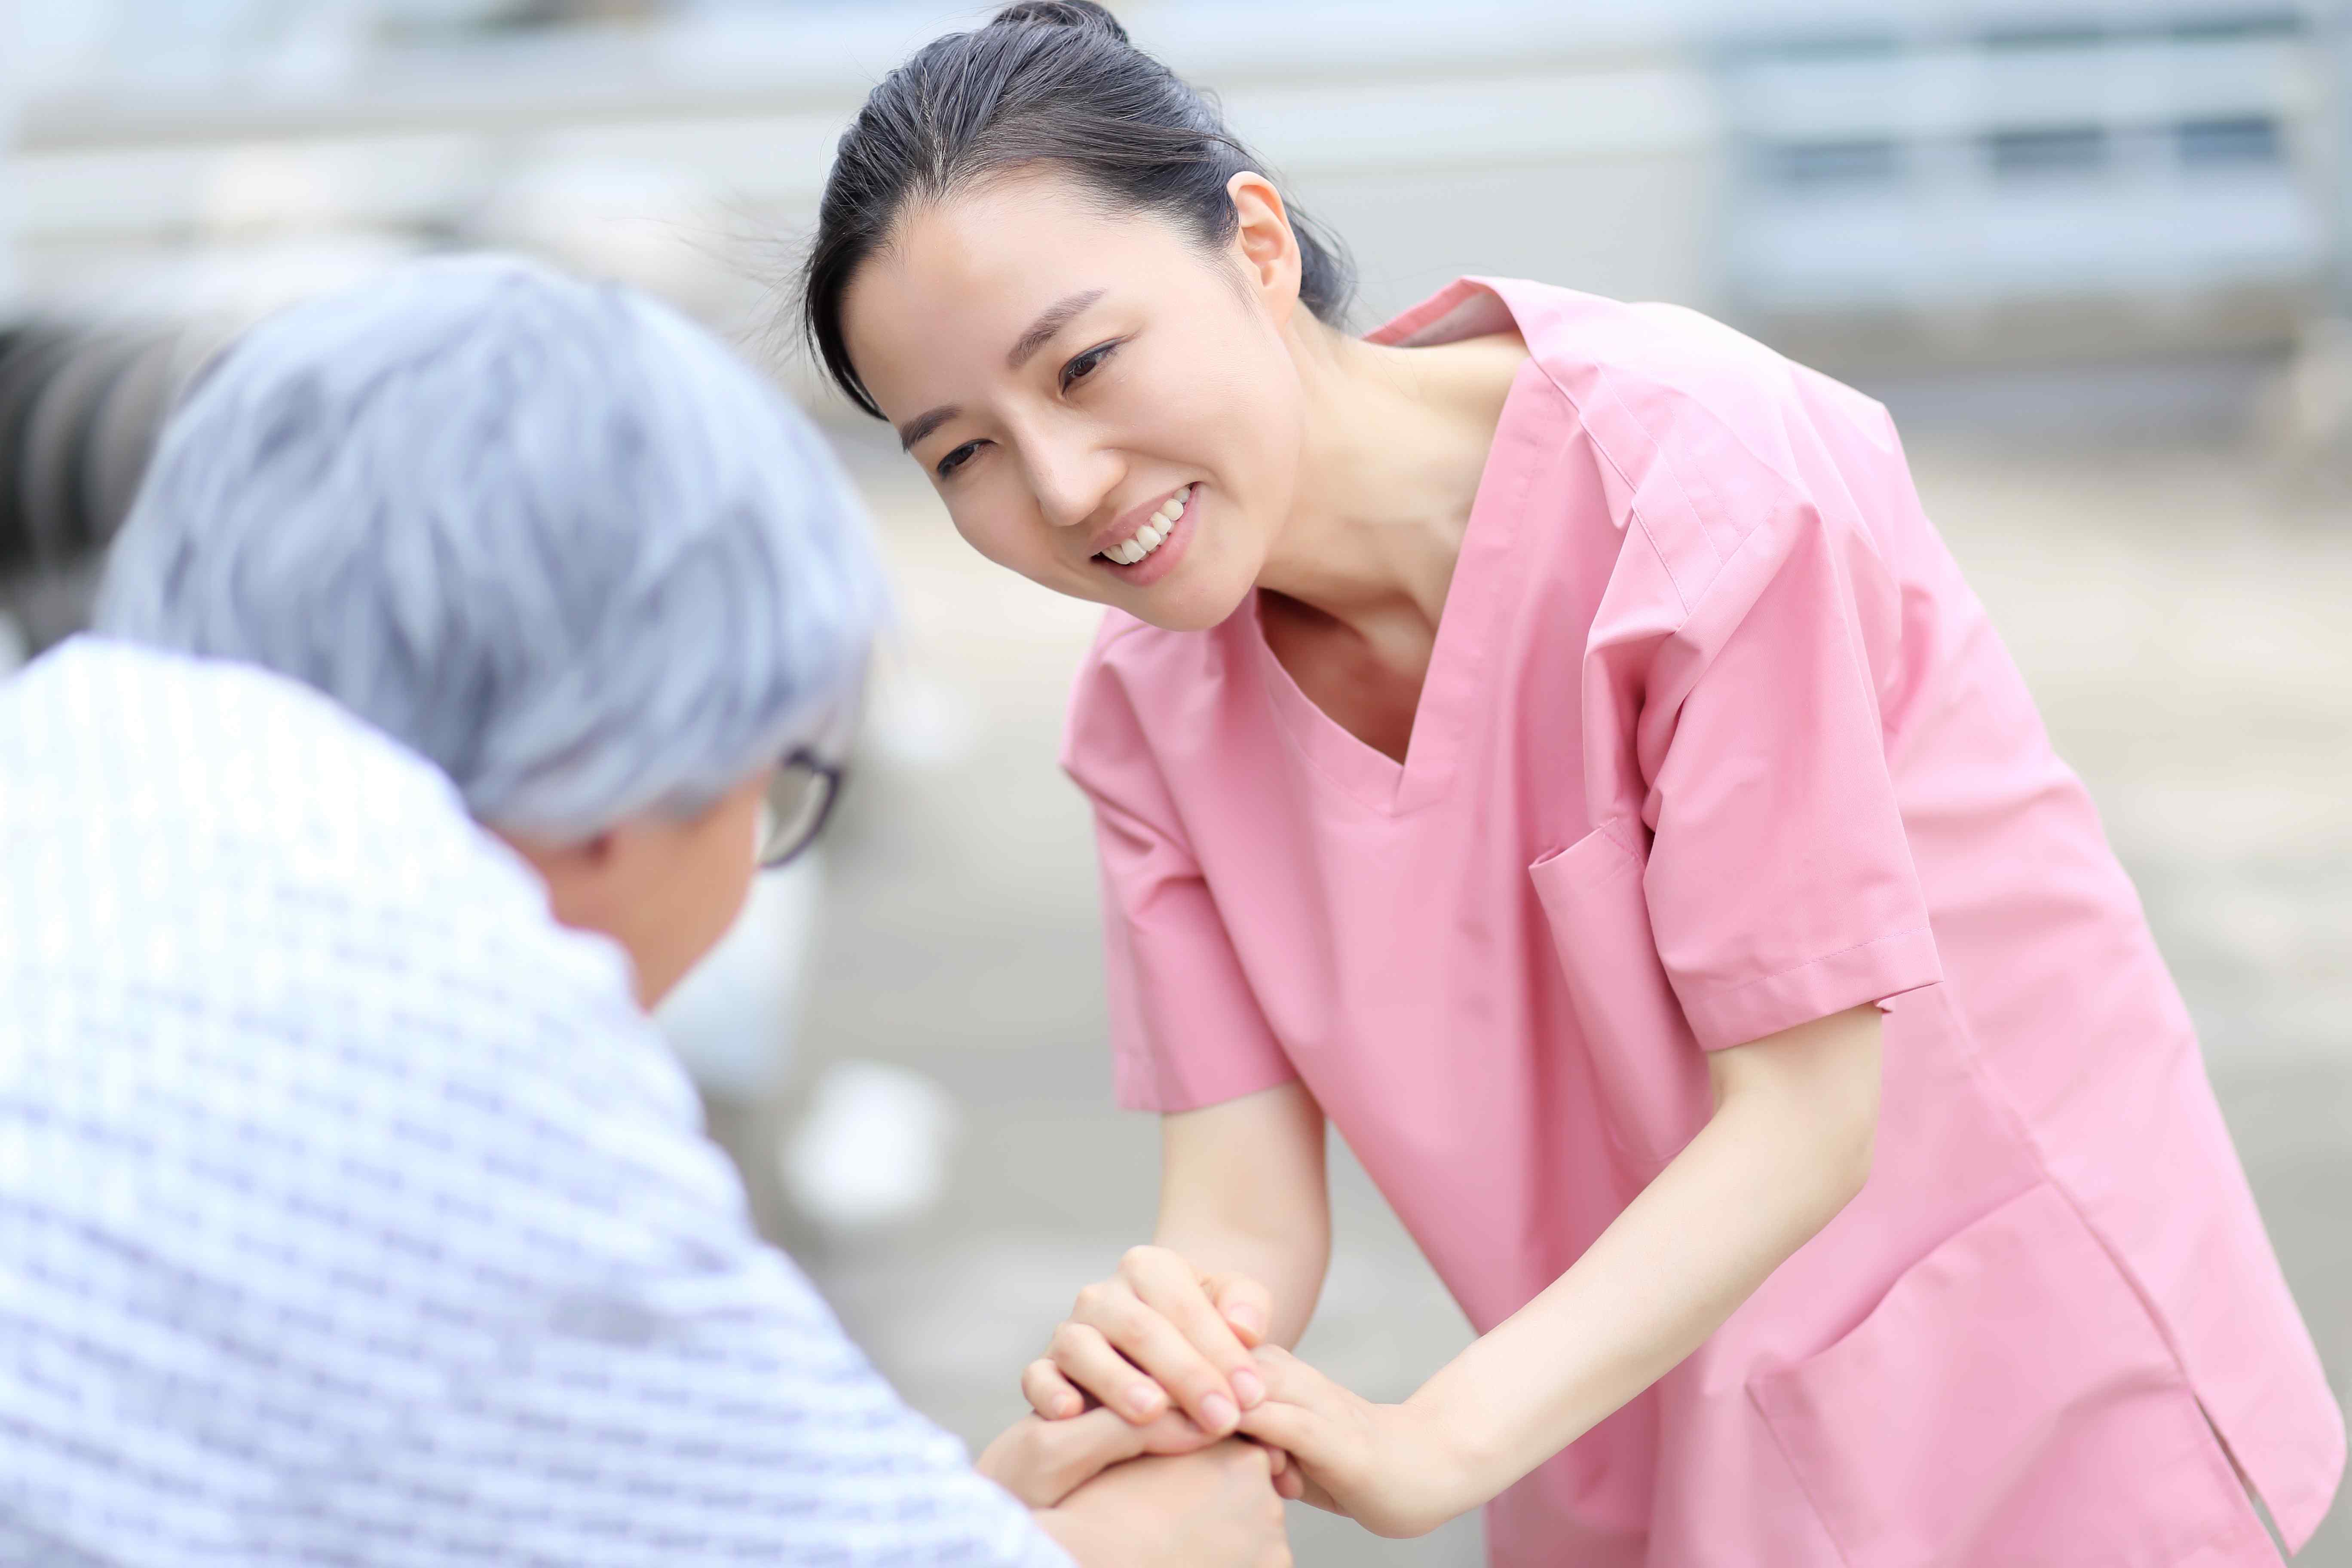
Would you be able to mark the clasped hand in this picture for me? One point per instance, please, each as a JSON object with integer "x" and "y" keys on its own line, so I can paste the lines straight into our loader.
{"x": 1162, "y": 1342}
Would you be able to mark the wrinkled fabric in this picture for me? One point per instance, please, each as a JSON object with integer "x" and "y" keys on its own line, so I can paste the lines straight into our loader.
{"x": 1714, "y": 741}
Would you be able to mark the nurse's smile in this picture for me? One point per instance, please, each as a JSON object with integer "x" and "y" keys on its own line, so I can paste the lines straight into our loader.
{"x": 1139, "y": 549}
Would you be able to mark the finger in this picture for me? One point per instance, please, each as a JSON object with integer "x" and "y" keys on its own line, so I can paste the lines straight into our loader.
{"x": 1288, "y": 1379}
{"x": 1084, "y": 1447}
{"x": 1087, "y": 1359}
{"x": 1290, "y": 1485}
{"x": 1151, "y": 1342}
{"x": 1170, "y": 1433}
{"x": 1092, "y": 1442}
{"x": 1246, "y": 1306}
{"x": 1299, "y": 1431}
{"x": 1168, "y": 1285}
{"x": 1049, "y": 1394}
{"x": 1076, "y": 1451}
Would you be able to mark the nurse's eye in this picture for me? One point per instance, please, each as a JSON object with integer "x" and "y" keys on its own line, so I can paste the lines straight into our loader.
{"x": 958, "y": 459}
{"x": 1086, "y": 363}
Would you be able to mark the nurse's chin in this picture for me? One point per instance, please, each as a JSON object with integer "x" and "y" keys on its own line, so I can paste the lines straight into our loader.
{"x": 1184, "y": 602}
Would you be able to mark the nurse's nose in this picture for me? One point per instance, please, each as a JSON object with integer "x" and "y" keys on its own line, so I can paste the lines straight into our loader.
{"x": 1072, "y": 479}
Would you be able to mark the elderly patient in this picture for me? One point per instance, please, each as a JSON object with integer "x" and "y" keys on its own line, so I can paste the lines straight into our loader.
{"x": 350, "y": 1210}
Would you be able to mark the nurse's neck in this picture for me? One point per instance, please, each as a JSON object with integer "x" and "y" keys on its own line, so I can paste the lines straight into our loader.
{"x": 1394, "y": 444}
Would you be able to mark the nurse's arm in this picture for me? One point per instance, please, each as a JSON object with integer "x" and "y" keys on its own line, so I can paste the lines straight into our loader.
{"x": 1788, "y": 1145}
{"x": 1242, "y": 1193}
{"x": 1238, "y": 1260}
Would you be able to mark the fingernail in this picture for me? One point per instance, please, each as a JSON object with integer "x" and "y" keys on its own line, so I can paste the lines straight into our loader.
{"x": 1217, "y": 1413}
{"x": 1144, "y": 1398}
{"x": 1247, "y": 1319}
{"x": 1065, "y": 1408}
{"x": 1248, "y": 1389}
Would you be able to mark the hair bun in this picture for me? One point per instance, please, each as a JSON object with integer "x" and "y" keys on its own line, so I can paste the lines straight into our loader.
{"x": 1082, "y": 13}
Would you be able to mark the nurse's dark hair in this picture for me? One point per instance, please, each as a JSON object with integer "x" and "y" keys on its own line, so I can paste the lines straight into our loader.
{"x": 1045, "y": 84}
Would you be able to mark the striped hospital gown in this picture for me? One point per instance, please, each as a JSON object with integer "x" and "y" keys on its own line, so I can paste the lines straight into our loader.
{"x": 351, "y": 1211}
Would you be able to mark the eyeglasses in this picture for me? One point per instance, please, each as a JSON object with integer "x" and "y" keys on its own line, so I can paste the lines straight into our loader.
{"x": 799, "y": 799}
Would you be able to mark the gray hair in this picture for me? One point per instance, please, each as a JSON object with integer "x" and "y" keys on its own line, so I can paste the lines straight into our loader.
{"x": 548, "y": 534}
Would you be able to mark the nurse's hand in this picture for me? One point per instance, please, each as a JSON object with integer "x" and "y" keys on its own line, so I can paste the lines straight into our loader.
{"x": 1393, "y": 1469}
{"x": 1156, "y": 1331}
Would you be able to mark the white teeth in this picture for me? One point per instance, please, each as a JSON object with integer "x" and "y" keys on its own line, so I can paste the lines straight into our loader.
{"x": 1150, "y": 537}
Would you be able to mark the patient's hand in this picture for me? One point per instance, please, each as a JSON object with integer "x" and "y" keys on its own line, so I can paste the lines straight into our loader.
{"x": 1157, "y": 1329}
{"x": 1042, "y": 1462}
{"x": 1215, "y": 1508}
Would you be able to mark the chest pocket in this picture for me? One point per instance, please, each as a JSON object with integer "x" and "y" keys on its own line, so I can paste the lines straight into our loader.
{"x": 1649, "y": 1069}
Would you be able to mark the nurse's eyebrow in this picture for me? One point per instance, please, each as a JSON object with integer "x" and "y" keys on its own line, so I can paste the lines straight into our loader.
{"x": 1041, "y": 331}
{"x": 922, "y": 424}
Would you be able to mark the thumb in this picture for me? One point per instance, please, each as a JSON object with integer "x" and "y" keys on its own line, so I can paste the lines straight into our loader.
{"x": 1292, "y": 1381}
{"x": 1244, "y": 1303}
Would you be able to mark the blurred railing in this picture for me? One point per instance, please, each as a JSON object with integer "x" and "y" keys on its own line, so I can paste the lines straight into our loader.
{"x": 2079, "y": 151}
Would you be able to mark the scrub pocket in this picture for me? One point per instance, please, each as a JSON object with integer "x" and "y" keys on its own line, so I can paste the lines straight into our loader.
{"x": 2009, "y": 1402}
{"x": 1647, "y": 1067}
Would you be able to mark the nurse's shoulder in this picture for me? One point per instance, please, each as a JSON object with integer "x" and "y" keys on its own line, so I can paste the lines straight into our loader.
{"x": 1702, "y": 434}
{"x": 1143, "y": 688}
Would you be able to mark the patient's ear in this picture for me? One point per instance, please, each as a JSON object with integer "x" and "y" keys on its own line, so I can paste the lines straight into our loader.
{"x": 665, "y": 888}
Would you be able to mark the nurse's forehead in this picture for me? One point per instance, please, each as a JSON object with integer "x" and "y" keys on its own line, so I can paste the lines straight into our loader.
{"x": 955, "y": 269}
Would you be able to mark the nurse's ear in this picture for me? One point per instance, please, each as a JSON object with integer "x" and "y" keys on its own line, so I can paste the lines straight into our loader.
{"x": 1264, "y": 245}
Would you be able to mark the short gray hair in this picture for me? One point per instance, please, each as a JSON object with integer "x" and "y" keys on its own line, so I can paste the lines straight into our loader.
{"x": 547, "y": 533}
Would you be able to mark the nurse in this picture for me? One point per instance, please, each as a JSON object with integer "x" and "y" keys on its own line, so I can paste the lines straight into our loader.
{"x": 1546, "y": 739}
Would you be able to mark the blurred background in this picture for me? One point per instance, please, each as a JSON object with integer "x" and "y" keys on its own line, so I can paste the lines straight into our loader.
{"x": 2094, "y": 253}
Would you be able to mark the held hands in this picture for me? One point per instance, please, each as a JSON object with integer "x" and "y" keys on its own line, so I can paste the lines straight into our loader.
{"x": 1159, "y": 1329}
{"x": 1156, "y": 1330}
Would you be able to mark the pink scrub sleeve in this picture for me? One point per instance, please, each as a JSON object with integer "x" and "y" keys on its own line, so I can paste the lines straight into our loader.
{"x": 1170, "y": 969}
{"x": 1779, "y": 882}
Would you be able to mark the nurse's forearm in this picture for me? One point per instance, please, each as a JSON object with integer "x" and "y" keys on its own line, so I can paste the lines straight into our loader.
{"x": 1243, "y": 1192}
{"x": 1291, "y": 1268}
{"x": 1788, "y": 1147}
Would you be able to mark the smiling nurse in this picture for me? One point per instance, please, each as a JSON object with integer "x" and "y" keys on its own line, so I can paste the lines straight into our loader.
{"x": 1546, "y": 739}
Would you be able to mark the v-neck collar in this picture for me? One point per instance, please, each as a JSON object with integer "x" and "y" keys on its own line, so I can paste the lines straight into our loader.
{"x": 1453, "y": 689}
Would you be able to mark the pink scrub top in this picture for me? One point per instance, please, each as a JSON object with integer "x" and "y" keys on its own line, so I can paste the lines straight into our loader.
{"x": 1714, "y": 740}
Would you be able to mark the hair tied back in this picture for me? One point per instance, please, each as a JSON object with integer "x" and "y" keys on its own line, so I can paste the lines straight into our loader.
{"x": 1083, "y": 13}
